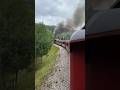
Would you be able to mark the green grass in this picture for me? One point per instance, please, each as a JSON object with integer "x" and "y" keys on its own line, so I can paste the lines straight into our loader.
{"x": 45, "y": 68}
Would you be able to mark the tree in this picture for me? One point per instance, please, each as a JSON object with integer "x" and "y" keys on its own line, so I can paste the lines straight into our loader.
{"x": 43, "y": 39}
{"x": 16, "y": 38}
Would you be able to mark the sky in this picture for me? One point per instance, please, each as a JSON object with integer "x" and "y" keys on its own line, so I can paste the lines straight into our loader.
{"x": 52, "y": 12}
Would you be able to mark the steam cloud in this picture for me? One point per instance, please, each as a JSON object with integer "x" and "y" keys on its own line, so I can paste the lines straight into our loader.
{"x": 79, "y": 16}
{"x": 77, "y": 20}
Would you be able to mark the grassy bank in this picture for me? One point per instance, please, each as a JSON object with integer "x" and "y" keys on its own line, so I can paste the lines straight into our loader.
{"x": 45, "y": 68}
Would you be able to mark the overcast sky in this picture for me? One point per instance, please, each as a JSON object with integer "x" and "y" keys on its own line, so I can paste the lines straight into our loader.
{"x": 52, "y": 12}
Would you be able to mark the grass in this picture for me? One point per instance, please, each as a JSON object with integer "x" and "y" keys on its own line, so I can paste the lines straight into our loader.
{"x": 45, "y": 68}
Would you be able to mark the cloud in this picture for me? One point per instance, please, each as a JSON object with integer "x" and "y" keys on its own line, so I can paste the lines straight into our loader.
{"x": 49, "y": 20}
{"x": 54, "y": 11}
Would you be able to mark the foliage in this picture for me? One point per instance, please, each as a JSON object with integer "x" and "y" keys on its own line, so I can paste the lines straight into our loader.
{"x": 16, "y": 39}
{"x": 46, "y": 67}
{"x": 43, "y": 39}
{"x": 51, "y": 28}
{"x": 44, "y": 58}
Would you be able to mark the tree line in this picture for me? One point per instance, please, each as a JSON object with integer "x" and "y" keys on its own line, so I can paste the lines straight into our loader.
{"x": 16, "y": 40}
{"x": 43, "y": 39}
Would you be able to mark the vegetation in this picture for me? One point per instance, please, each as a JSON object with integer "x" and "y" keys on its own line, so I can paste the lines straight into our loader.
{"x": 45, "y": 53}
{"x": 16, "y": 41}
{"x": 43, "y": 39}
{"x": 51, "y": 28}
{"x": 45, "y": 68}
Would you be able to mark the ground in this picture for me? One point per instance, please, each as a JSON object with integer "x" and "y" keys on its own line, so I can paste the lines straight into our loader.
{"x": 59, "y": 79}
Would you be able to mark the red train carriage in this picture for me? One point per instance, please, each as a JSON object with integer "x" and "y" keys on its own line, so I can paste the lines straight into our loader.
{"x": 77, "y": 60}
{"x": 95, "y": 62}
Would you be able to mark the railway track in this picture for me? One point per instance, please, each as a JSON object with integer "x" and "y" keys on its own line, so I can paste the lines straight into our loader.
{"x": 63, "y": 43}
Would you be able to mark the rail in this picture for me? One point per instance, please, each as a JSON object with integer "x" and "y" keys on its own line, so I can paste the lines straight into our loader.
{"x": 63, "y": 43}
